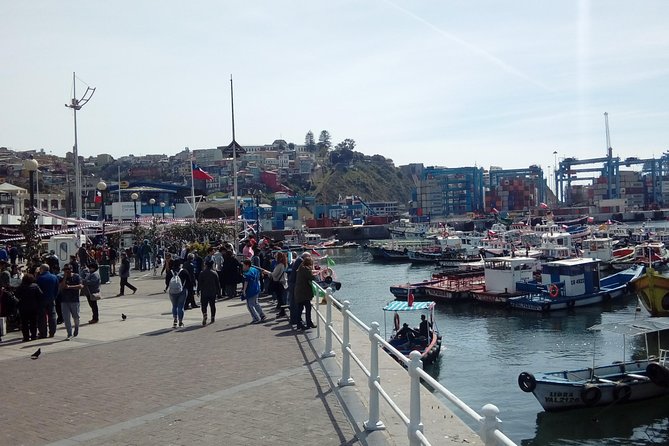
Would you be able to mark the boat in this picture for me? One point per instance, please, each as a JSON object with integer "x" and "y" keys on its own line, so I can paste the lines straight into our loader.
{"x": 652, "y": 289}
{"x": 405, "y": 340}
{"x": 650, "y": 253}
{"x": 572, "y": 283}
{"x": 456, "y": 286}
{"x": 598, "y": 248}
{"x": 403, "y": 290}
{"x": 616, "y": 383}
{"x": 501, "y": 274}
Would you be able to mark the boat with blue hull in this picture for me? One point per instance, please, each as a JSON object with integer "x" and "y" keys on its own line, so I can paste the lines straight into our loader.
{"x": 572, "y": 283}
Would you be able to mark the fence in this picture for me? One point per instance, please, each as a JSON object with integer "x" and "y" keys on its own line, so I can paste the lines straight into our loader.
{"x": 489, "y": 423}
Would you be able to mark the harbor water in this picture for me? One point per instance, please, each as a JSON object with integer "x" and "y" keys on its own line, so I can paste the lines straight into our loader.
{"x": 484, "y": 350}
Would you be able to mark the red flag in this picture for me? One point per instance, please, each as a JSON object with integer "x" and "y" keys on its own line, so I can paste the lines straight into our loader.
{"x": 591, "y": 219}
{"x": 543, "y": 205}
{"x": 411, "y": 298}
{"x": 200, "y": 174}
{"x": 494, "y": 211}
{"x": 314, "y": 252}
{"x": 98, "y": 196}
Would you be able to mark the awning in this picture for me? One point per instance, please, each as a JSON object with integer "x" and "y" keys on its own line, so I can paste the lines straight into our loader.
{"x": 634, "y": 328}
{"x": 399, "y": 305}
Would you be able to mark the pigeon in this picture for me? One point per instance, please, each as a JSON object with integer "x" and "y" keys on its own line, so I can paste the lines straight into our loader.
{"x": 36, "y": 354}
{"x": 123, "y": 316}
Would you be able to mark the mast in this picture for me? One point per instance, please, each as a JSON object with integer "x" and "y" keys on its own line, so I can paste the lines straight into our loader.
{"x": 75, "y": 150}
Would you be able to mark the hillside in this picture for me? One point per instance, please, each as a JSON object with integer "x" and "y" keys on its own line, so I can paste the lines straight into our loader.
{"x": 371, "y": 178}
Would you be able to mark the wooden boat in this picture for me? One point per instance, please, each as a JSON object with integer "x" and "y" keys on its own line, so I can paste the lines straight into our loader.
{"x": 650, "y": 253}
{"x": 429, "y": 346}
{"x": 572, "y": 283}
{"x": 652, "y": 289}
{"x": 402, "y": 291}
{"x": 501, "y": 274}
{"x": 617, "y": 383}
{"x": 456, "y": 286}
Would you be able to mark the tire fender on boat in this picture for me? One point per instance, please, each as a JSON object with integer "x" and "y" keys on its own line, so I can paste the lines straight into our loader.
{"x": 622, "y": 392}
{"x": 591, "y": 394}
{"x": 658, "y": 374}
{"x": 527, "y": 382}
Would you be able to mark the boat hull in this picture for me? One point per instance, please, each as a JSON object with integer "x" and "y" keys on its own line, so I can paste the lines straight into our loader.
{"x": 652, "y": 289}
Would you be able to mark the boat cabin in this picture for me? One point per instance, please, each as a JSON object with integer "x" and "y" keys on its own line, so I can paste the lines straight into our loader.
{"x": 556, "y": 245}
{"x": 579, "y": 276}
{"x": 502, "y": 273}
{"x": 598, "y": 248}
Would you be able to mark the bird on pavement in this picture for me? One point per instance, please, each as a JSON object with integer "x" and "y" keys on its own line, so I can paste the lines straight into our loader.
{"x": 36, "y": 354}
{"x": 123, "y": 316}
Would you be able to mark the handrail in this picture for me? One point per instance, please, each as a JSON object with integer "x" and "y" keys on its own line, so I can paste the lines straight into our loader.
{"x": 489, "y": 423}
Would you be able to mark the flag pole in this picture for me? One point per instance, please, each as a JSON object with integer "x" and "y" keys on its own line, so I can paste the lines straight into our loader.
{"x": 192, "y": 188}
{"x": 234, "y": 161}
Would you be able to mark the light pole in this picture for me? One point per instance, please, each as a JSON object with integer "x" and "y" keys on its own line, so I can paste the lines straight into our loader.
{"x": 31, "y": 165}
{"x": 76, "y": 105}
{"x": 134, "y": 196}
{"x": 102, "y": 187}
{"x": 28, "y": 226}
{"x": 162, "y": 207}
{"x": 257, "y": 197}
{"x": 152, "y": 202}
{"x": 174, "y": 208}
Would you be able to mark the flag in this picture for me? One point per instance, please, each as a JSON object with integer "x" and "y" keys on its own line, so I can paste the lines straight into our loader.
{"x": 200, "y": 174}
{"x": 591, "y": 219}
{"x": 314, "y": 252}
{"x": 543, "y": 205}
{"x": 329, "y": 261}
{"x": 98, "y": 196}
{"x": 494, "y": 211}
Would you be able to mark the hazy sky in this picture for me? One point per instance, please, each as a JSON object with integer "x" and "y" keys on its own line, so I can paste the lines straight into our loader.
{"x": 454, "y": 83}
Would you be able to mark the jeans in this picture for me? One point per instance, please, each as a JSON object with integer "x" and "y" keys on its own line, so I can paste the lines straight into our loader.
{"x": 208, "y": 300}
{"x": 70, "y": 309}
{"x": 124, "y": 283}
{"x": 29, "y": 324}
{"x": 307, "y": 313}
{"x": 254, "y": 308}
{"x": 295, "y": 310}
{"x": 47, "y": 315}
{"x": 94, "y": 308}
{"x": 178, "y": 301}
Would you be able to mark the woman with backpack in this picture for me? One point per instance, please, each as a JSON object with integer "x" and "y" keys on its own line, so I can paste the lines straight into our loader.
{"x": 176, "y": 288}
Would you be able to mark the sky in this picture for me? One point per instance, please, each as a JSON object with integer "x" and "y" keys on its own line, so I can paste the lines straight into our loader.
{"x": 439, "y": 82}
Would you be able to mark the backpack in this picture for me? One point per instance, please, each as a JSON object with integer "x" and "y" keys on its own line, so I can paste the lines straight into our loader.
{"x": 175, "y": 286}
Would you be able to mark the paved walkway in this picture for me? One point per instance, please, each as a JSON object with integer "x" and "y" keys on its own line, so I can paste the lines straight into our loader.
{"x": 140, "y": 382}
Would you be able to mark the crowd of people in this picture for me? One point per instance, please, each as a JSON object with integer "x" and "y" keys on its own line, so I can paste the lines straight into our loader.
{"x": 47, "y": 293}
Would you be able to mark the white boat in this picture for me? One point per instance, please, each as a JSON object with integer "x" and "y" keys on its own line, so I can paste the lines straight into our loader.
{"x": 616, "y": 383}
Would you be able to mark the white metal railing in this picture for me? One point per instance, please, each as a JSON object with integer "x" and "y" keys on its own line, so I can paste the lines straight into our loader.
{"x": 489, "y": 423}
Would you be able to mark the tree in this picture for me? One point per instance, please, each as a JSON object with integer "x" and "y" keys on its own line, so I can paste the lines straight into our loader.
{"x": 348, "y": 144}
{"x": 324, "y": 141}
{"x": 310, "y": 142}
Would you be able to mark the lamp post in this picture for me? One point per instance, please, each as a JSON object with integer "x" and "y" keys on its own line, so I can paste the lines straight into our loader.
{"x": 174, "y": 208}
{"x": 134, "y": 196}
{"x": 162, "y": 207}
{"x": 257, "y": 197}
{"x": 152, "y": 202}
{"x": 28, "y": 227}
{"x": 31, "y": 165}
{"x": 102, "y": 187}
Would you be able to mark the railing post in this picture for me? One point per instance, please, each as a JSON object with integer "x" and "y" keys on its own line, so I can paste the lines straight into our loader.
{"x": 373, "y": 423}
{"x": 490, "y": 424}
{"x": 346, "y": 379}
{"x": 327, "y": 351}
{"x": 415, "y": 423}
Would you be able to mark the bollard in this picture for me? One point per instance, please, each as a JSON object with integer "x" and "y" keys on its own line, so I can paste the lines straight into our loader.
{"x": 346, "y": 379}
{"x": 327, "y": 351}
{"x": 373, "y": 423}
{"x": 490, "y": 424}
{"x": 415, "y": 423}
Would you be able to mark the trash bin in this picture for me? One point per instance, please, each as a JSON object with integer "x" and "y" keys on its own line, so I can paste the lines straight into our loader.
{"x": 104, "y": 273}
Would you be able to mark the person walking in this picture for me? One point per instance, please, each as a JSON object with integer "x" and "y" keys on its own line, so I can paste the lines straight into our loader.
{"x": 279, "y": 283}
{"x": 29, "y": 296}
{"x": 304, "y": 293}
{"x": 70, "y": 286}
{"x": 189, "y": 269}
{"x": 210, "y": 288}
{"x": 251, "y": 291}
{"x": 177, "y": 292}
{"x": 91, "y": 280}
{"x": 48, "y": 283}
{"x": 230, "y": 274}
{"x": 124, "y": 274}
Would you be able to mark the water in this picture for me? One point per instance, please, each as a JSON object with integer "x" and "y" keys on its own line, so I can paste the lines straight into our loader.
{"x": 485, "y": 349}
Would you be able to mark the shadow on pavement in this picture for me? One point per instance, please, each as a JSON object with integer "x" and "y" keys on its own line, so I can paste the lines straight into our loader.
{"x": 158, "y": 332}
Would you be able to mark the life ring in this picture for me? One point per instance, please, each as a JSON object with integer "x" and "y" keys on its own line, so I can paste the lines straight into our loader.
{"x": 591, "y": 394}
{"x": 622, "y": 392}
{"x": 527, "y": 382}
{"x": 553, "y": 290}
{"x": 397, "y": 322}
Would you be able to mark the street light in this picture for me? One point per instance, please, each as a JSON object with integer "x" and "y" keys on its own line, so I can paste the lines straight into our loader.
{"x": 152, "y": 202}
{"x": 134, "y": 196}
{"x": 174, "y": 208}
{"x": 102, "y": 187}
{"x": 162, "y": 206}
{"x": 31, "y": 165}
{"x": 29, "y": 228}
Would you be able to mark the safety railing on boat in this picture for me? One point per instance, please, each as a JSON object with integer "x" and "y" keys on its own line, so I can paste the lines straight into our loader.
{"x": 489, "y": 423}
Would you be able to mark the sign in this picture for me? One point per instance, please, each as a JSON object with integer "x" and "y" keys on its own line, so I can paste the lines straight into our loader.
{"x": 124, "y": 184}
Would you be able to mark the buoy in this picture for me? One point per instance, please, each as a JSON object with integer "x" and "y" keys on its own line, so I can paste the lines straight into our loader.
{"x": 553, "y": 290}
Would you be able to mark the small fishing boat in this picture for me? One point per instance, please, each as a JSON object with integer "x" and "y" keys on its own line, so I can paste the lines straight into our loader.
{"x": 572, "y": 283}
{"x": 501, "y": 274}
{"x": 424, "y": 339}
{"x": 652, "y": 289}
{"x": 403, "y": 290}
{"x": 616, "y": 383}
